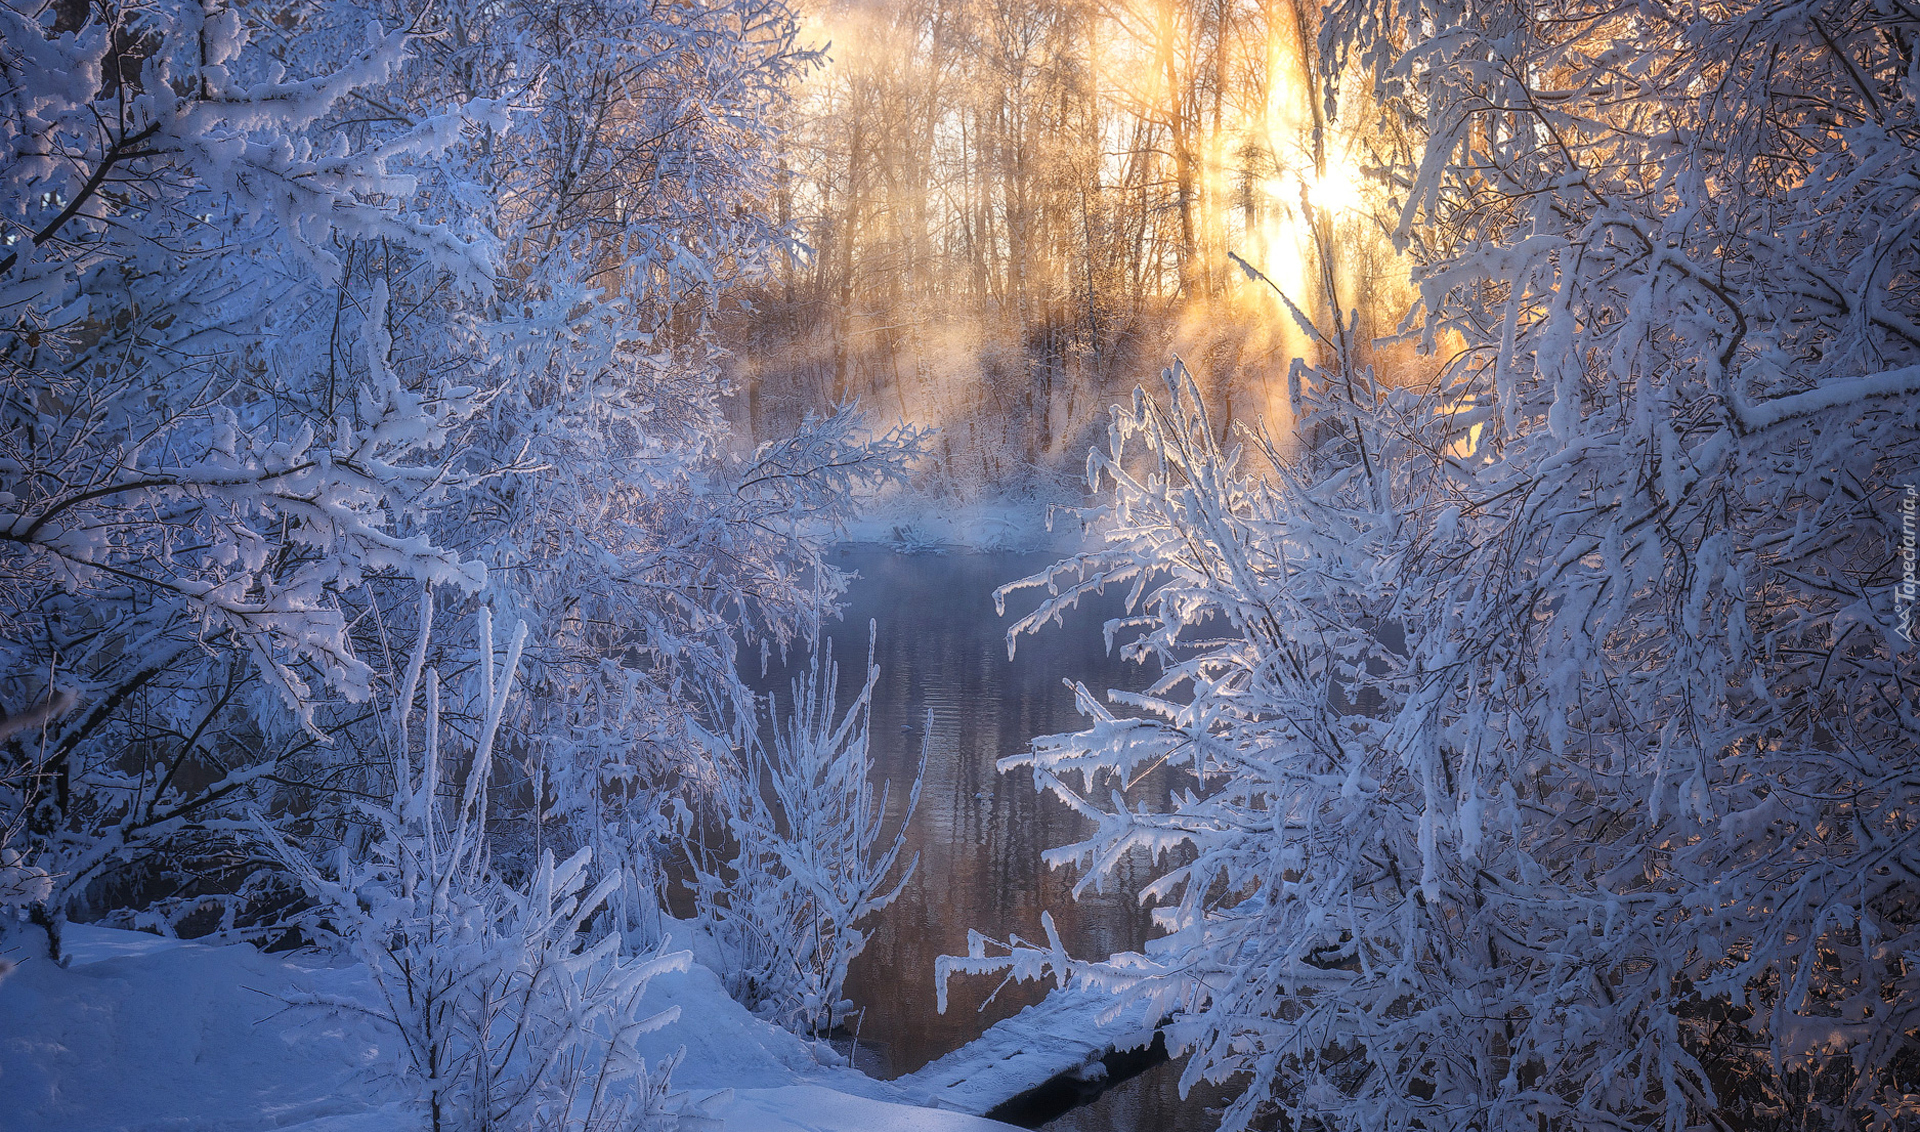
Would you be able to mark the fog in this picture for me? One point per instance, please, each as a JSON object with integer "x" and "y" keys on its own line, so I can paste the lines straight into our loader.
{"x": 1011, "y": 212}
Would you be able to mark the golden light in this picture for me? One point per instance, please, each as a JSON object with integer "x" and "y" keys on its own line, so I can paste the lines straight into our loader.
{"x": 1340, "y": 189}
{"x": 1284, "y": 189}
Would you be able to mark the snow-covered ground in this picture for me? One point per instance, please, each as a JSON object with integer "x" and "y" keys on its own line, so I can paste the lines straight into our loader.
{"x": 142, "y": 1033}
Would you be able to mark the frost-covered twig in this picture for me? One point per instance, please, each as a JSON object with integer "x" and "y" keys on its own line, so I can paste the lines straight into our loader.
{"x": 810, "y": 860}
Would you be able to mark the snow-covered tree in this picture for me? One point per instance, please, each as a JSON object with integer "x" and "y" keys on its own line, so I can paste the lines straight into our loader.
{"x": 619, "y": 183}
{"x": 808, "y": 860}
{"x": 301, "y": 314}
{"x": 1548, "y": 728}
{"x": 207, "y": 442}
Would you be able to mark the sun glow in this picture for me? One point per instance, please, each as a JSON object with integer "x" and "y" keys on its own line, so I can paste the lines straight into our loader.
{"x": 977, "y": 183}
{"x": 1340, "y": 188}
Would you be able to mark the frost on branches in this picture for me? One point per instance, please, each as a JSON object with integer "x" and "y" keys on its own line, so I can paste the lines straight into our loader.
{"x": 1549, "y": 742}
{"x": 619, "y": 181}
{"x": 505, "y": 1018}
{"x": 207, "y": 442}
{"x": 301, "y": 312}
{"x": 804, "y": 860}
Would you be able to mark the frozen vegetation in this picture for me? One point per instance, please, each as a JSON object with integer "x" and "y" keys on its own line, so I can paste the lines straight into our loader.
{"x": 337, "y": 335}
{"x": 1547, "y": 726}
{"x": 377, "y": 566}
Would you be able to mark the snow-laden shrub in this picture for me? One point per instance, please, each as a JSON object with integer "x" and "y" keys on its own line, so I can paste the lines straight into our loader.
{"x": 299, "y": 312}
{"x": 809, "y": 859}
{"x": 1548, "y": 727}
{"x": 1442, "y": 850}
{"x": 207, "y": 437}
{"x": 507, "y": 1014}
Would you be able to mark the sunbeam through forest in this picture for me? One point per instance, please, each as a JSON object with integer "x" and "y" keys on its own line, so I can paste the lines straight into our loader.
{"x": 1014, "y": 212}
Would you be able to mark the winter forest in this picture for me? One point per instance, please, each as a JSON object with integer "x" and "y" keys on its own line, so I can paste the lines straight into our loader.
{"x": 1477, "y": 440}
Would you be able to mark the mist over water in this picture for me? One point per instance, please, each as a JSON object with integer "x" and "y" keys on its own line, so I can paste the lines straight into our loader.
{"x": 979, "y": 834}
{"x": 1017, "y": 212}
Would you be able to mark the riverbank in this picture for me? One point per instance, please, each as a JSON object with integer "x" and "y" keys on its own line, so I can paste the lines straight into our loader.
{"x": 136, "y": 1033}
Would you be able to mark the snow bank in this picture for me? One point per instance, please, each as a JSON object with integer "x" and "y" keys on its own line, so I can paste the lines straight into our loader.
{"x": 164, "y": 1035}
{"x": 1066, "y": 1034}
{"x": 143, "y": 1034}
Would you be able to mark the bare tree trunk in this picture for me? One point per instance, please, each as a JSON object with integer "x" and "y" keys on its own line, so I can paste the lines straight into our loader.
{"x": 1181, "y": 127}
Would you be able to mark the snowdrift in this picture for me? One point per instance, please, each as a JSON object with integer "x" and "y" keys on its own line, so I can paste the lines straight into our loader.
{"x": 137, "y": 1033}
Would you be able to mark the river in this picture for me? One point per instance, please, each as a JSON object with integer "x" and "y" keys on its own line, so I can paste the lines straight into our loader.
{"x": 980, "y": 834}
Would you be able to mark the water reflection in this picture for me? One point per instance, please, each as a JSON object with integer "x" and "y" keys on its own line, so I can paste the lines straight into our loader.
{"x": 1150, "y": 1102}
{"x": 980, "y": 834}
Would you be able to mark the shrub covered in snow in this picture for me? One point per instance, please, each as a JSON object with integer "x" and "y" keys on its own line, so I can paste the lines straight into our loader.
{"x": 1547, "y": 729}
{"x": 304, "y": 307}
{"x": 508, "y": 1013}
{"x": 806, "y": 859}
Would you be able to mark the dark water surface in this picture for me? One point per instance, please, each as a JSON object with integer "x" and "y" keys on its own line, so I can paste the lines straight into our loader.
{"x": 980, "y": 834}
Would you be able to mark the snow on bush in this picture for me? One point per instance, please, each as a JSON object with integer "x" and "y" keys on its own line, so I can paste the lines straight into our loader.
{"x": 509, "y": 1014}
{"x": 1546, "y": 729}
{"x": 808, "y": 859}
{"x": 206, "y": 439}
{"x": 299, "y": 312}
